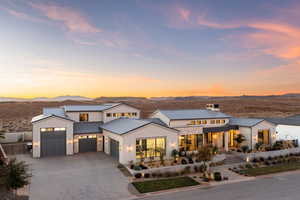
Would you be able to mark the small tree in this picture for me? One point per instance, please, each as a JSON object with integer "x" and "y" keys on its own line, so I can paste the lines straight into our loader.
{"x": 174, "y": 154}
{"x": 205, "y": 154}
{"x": 239, "y": 138}
{"x": 162, "y": 153}
{"x": 16, "y": 175}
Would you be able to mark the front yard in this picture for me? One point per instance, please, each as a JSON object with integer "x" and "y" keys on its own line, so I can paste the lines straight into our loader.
{"x": 164, "y": 184}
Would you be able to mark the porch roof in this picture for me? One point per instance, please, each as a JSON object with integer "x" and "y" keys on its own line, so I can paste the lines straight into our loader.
{"x": 220, "y": 128}
{"x": 87, "y": 127}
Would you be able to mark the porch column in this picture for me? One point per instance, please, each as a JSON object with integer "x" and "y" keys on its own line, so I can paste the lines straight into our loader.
{"x": 226, "y": 140}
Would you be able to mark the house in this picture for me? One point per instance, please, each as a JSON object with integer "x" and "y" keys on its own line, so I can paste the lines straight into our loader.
{"x": 287, "y": 128}
{"x": 118, "y": 130}
{"x": 75, "y": 128}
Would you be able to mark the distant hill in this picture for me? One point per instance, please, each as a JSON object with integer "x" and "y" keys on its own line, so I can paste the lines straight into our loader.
{"x": 46, "y": 99}
{"x": 120, "y": 98}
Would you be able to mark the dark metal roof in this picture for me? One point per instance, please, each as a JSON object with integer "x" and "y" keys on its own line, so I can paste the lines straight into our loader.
{"x": 124, "y": 125}
{"x": 248, "y": 122}
{"x": 289, "y": 121}
{"x": 189, "y": 114}
{"x": 220, "y": 128}
{"x": 87, "y": 127}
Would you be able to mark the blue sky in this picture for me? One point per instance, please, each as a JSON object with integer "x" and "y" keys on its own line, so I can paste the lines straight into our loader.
{"x": 149, "y": 48}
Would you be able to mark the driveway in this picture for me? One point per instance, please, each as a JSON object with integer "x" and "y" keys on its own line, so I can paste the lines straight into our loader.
{"x": 89, "y": 176}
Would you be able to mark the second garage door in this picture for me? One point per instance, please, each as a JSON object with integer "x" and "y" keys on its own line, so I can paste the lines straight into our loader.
{"x": 87, "y": 145}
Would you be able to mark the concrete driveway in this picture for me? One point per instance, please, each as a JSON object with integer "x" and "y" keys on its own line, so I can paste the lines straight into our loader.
{"x": 89, "y": 176}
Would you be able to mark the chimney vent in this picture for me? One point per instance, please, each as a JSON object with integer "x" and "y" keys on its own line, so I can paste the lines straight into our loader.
{"x": 213, "y": 107}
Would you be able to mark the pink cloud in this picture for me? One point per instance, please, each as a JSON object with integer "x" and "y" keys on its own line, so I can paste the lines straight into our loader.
{"x": 184, "y": 14}
{"x": 71, "y": 19}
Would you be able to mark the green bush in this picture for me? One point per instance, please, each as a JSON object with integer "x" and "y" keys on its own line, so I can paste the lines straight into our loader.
{"x": 146, "y": 175}
{"x": 248, "y": 166}
{"x": 138, "y": 175}
{"x": 245, "y": 148}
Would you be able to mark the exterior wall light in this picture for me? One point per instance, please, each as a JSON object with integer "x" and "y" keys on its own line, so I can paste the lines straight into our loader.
{"x": 70, "y": 141}
{"x": 129, "y": 148}
{"x": 173, "y": 144}
{"x": 36, "y": 144}
{"x": 247, "y": 159}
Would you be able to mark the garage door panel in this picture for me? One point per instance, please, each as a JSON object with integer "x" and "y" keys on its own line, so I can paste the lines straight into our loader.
{"x": 114, "y": 148}
{"x": 53, "y": 143}
{"x": 87, "y": 145}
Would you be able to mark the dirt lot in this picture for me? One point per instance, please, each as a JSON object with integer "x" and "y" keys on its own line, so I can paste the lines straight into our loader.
{"x": 16, "y": 116}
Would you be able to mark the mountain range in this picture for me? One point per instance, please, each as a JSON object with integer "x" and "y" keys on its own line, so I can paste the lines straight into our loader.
{"x": 82, "y": 98}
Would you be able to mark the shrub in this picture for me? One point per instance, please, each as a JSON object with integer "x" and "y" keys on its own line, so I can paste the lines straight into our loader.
{"x": 132, "y": 166}
{"x": 269, "y": 158}
{"x": 138, "y": 175}
{"x": 248, "y": 166}
{"x": 137, "y": 168}
{"x": 143, "y": 167}
{"x": 183, "y": 161}
{"x": 159, "y": 175}
{"x": 274, "y": 162}
{"x": 196, "y": 168}
{"x": 245, "y": 148}
{"x": 205, "y": 179}
{"x": 146, "y": 175}
{"x": 190, "y": 159}
{"x": 267, "y": 163}
{"x": 202, "y": 168}
{"x": 262, "y": 159}
{"x": 254, "y": 160}
{"x": 217, "y": 176}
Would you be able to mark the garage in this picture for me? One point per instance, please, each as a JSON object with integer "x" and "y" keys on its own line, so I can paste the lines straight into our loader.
{"x": 87, "y": 144}
{"x": 53, "y": 143}
{"x": 114, "y": 148}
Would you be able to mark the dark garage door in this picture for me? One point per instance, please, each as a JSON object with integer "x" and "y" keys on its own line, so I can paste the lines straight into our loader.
{"x": 87, "y": 145}
{"x": 114, "y": 148}
{"x": 53, "y": 143}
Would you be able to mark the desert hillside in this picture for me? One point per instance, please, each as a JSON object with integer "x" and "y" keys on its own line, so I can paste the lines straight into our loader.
{"x": 16, "y": 116}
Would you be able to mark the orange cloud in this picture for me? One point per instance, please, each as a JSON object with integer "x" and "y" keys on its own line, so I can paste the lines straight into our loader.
{"x": 72, "y": 19}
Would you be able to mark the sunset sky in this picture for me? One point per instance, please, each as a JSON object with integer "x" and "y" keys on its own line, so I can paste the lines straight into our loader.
{"x": 149, "y": 48}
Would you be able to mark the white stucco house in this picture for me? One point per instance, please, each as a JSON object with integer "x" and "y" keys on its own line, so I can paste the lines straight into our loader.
{"x": 287, "y": 128}
{"x": 118, "y": 130}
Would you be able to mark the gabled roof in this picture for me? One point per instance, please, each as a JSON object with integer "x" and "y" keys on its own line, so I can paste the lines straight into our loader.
{"x": 54, "y": 111}
{"x": 124, "y": 125}
{"x": 289, "y": 121}
{"x": 87, "y": 127}
{"x": 193, "y": 114}
{"x": 248, "y": 122}
{"x": 42, "y": 117}
{"x": 89, "y": 108}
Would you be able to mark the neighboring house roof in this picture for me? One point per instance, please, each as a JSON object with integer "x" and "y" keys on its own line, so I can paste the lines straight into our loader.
{"x": 42, "y": 117}
{"x": 87, "y": 127}
{"x": 248, "y": 122}
{"x": 289, "y": 121}
{"x": 54, "y": 111}
{"x": 124, "y": 125}
{"x": 193, "y": 114}
{"x": 89, "y": 108}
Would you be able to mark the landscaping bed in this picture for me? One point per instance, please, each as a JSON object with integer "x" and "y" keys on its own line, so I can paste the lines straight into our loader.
{"x": 262, "y": 166}
{"x": 271, "y": 169}
{"x": 164, "y": 184}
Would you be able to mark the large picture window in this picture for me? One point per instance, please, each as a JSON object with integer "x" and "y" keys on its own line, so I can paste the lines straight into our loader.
{"x": 150, "y": 147}
{"x": 190, "y": 142}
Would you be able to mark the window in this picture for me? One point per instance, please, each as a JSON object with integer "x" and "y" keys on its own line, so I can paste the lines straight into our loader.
{"x": 134, "y": 114}
{"x": 108, "y": 114}
{"x": 52, "y": 129}
{"x": 192, "y": 122}
{"x": 114, "y": 114}
{"x": 198, "y": 122}
{"x": 83, "y": 117}
{"x": 218, "y": 121}
{"x": 212, "y": 121}
{"x": 263, "y": 136}
{"x": 150, "y": 147}
{"x": 223, "y": 121}
{"x": 190, "y": 142}
{"x": 204, "y": 122}
{"x": 123, "y": 114}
